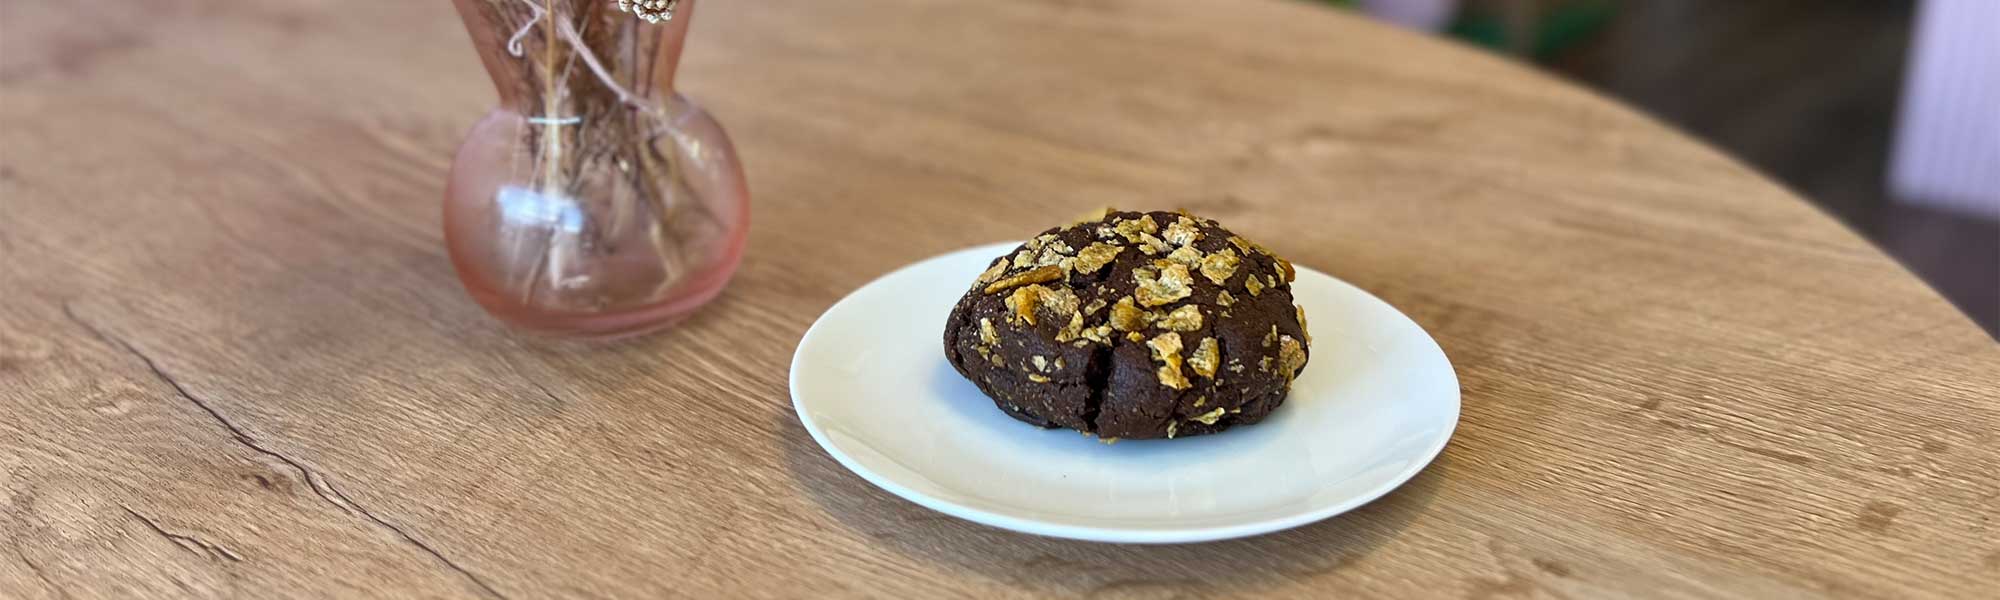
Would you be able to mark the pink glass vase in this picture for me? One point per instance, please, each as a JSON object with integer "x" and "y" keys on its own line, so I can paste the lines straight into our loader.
{"x": 594, "y": 201}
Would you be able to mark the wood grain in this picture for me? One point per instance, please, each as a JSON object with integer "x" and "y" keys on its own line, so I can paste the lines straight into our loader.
{"x": 234, "y": 360}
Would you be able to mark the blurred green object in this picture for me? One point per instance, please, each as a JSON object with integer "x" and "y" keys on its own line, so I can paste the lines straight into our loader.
{"x": 1556, "y": 25}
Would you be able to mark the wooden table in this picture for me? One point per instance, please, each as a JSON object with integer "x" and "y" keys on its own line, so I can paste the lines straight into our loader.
{"x": 235, "y": 361}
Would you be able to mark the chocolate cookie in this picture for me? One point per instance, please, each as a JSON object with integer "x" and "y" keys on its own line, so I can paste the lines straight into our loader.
{"x": 1132, "y": 325}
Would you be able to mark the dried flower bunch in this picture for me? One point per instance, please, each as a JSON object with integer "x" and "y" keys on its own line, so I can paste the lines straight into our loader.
{"x": 653, "y": 11}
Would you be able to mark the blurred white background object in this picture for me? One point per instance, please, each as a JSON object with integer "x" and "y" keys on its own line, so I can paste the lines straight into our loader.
{"x": 1947, "y": 151}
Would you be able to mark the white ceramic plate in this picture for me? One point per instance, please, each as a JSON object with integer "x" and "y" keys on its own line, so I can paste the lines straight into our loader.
{"x": 1374, "y": 405}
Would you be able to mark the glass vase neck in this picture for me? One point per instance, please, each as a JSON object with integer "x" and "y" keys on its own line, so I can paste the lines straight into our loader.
{"x": 546, "y": 53}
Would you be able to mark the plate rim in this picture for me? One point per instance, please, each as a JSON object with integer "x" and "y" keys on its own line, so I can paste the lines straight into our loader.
{"x": 1129, "y": 535}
